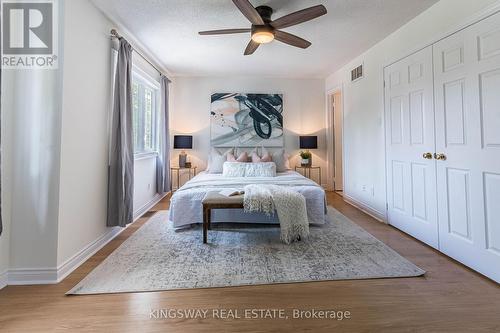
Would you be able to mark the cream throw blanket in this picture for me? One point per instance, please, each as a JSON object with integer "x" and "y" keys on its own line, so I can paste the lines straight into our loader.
{"x": 290, "y": 206}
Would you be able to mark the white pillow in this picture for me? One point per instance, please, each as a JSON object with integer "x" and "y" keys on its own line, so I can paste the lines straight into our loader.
{"x": 280, "y": 158}
{"x": 234, "y": 169}
{"x": 216, "y": 160}
{"x": 261, "y": 169}
{"x": 242, "y": 169}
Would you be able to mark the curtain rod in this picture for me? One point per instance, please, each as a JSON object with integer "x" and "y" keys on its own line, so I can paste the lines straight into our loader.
{"x": 114, "y": 34}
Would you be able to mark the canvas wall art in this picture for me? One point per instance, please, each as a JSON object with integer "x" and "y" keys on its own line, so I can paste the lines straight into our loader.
{"x": 246, "y": 120}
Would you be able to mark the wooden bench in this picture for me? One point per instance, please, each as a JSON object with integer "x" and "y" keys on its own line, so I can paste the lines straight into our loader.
{"x": 214, "y": 200}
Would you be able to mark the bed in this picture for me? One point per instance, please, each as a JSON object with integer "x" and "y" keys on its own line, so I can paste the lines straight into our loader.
{"x": 186, "y": 207}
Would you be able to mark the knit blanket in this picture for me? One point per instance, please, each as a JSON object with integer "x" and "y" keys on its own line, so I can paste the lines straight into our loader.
{"x": 289, "y": 205}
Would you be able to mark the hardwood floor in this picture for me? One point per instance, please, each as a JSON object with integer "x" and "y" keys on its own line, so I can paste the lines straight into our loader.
{"x": 449, "y": 298}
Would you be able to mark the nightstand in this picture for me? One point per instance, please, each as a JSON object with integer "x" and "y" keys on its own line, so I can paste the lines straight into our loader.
{"x": 307, "y": 171}
{"x": 191, "y": 171}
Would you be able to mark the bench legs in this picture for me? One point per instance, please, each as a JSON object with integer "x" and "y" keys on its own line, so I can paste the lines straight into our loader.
{"x": 206, "y": 222}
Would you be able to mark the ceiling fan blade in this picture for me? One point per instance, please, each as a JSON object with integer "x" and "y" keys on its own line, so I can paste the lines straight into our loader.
{"x": 290, "y": 39}
{"x": 224, "y": 31}
{"x": 249, "y": 11}
{"x": 251, "y": 47}
{"x": 299, "y": 17}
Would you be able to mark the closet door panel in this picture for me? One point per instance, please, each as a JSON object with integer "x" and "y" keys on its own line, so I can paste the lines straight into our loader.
{"x": 467, "y": 107}
{"x": 411, "y": 178}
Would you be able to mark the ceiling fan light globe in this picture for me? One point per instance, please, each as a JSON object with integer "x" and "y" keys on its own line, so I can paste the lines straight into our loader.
{"x": 262, "y": 37}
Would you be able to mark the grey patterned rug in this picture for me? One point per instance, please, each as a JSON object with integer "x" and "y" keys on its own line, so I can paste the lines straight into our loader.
{"x": 157, "y": 257}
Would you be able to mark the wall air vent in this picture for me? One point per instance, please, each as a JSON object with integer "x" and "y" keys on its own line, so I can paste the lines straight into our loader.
{"x": 357, "y": 73}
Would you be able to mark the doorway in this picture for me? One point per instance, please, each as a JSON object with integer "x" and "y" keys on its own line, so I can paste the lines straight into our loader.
{"x": 336, "y": 150}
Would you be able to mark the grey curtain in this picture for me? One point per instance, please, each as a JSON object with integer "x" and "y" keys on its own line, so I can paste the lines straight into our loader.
{"x": 163, "y": 159}
{"x": 121, "y": 155}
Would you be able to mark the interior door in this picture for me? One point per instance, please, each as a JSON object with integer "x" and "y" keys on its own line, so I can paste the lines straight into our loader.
{"x": 337, "y": 135}
{"x": 411, "y": 170}
{"x": 467, "y": 90}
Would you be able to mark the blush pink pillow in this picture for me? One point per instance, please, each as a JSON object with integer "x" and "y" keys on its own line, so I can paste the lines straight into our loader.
{"x": 257, "y": 159}
{"x": 266, "y": 158}
{"x": 242, "y": 158}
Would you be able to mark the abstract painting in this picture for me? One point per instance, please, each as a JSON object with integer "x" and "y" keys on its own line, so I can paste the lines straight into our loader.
{"x": 246, "y": 120}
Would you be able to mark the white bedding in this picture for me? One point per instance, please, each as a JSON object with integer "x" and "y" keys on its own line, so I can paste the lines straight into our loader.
{"x": 186, "y": 208}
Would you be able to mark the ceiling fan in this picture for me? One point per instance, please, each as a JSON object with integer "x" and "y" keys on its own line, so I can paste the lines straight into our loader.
{"x": 264, "y": 30}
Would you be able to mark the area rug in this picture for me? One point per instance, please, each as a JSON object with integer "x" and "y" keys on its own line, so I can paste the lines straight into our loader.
{"x": 158, "y": 257}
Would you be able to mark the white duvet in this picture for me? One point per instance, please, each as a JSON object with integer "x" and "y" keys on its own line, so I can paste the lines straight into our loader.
{"x": 186, "y": 208}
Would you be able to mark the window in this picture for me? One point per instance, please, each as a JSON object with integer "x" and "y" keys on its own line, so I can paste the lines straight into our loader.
{"x": 144, "y": 108}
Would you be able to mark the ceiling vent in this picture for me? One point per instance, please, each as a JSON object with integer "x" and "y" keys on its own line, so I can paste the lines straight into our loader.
{"x": 357, "y": 73}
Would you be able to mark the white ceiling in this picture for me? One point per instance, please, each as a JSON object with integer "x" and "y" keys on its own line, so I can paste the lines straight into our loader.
{"x": 169, "y": 30}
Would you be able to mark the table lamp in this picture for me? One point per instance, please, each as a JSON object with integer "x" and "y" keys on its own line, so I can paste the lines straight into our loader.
{"x": 183, "y": 142}
{"x": 307, "y": 142}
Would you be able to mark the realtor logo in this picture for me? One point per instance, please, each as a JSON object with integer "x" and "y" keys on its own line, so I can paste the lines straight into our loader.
{"x": 29, "y": 38}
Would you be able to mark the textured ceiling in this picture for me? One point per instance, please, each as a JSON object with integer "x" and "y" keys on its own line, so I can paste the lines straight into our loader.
{"x": 168, "y": 29}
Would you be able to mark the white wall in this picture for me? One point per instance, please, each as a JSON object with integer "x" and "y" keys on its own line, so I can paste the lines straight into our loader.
{"x": 34, "y": 173}
{"x": 364, "y": 103}
{"x": 86, "y": 90}
{"x": 32, "y": 106}
{"x": 55, "y": 143}
{"x": 144, "y": 182}
{"x": 6, "y": 173}
{"x": 84, "y": 146}
{"x": 304, "y": 106}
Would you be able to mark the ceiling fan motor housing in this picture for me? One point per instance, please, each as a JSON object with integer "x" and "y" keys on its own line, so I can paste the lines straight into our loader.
{"x": 263, "y": 33}
{"x": 265, "y": 12}
{"x": 265, "y": 30}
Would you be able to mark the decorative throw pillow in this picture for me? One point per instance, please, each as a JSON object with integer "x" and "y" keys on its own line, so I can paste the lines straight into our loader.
{"x": 280, "y": 158}
{"x": 257, "y": 159}
{"x": 216, "y": 160}
{"x": 242, "y": 158}
{"x": 243, "y": 169}
{"x": 267, "y": 169}
{"x": 233, "y": 169}
{"x": 266, "y": 157}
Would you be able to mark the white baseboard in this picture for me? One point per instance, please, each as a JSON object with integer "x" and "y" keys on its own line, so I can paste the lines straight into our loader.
{"x": 26, "y": 276}
{"x": 88, "y": 251}
{"x": 23, "y": 276}
{"x": 376, "y": 214}
{"x": 3, "y": 279}
{"x": 145, "y": 208}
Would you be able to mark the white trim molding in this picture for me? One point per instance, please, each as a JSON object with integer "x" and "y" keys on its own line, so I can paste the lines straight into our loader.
{"x": 84, "y": 254}
{"x": 4, "y": 279}
{"x": 53, "y": 275}
{"x": 25, "y": 276}
{"x": 330, "y": 158}
{"x": 145, "y": 208}
{"x": 376, "y": 214}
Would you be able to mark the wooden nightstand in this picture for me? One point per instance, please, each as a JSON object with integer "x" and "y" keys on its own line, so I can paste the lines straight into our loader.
{"x": 307, "y": 171}
{"x": 191, "y": 170}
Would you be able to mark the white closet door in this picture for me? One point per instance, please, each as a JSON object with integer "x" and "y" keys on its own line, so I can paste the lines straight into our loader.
{"x": 409, "y": 118}
{"x": 467, "y": 90}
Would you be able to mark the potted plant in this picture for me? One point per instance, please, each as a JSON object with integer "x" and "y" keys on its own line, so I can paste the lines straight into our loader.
{"x": 306, "y": 158}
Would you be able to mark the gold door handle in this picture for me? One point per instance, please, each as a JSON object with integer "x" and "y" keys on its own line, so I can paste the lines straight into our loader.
{"x": 440, "y": 156}
{"x": 427, "y": 156}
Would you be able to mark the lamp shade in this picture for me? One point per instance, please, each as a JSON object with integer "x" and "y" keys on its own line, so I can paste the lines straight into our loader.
{"x": 308, "y": 142}
{"x": 183, "y": 142}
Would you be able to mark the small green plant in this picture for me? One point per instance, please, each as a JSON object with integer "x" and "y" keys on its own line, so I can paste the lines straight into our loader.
{"x": 305, "y": 154}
